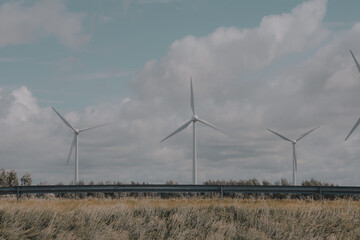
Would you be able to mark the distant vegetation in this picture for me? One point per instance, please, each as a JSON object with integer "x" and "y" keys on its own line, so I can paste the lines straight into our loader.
{"x": 10, "y": 178}
{"x": 194, "y": 218}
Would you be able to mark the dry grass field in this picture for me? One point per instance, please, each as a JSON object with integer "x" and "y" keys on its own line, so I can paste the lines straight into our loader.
{"x": 193, "y": 218}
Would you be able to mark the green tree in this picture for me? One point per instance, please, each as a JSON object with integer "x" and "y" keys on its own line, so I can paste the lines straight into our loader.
{"x": 12, "y": 178}
{"x": 26, "y": 180}
{"x": 3, "y": 178}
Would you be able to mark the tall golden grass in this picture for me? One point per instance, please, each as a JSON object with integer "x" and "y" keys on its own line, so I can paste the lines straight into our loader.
{"x": 193, "y": 218}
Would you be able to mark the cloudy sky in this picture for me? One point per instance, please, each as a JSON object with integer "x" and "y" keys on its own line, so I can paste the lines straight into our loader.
{"x": 283, "y": 65}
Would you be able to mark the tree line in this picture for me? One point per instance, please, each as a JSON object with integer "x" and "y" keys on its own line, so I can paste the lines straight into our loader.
{"x": 9, "y": 178}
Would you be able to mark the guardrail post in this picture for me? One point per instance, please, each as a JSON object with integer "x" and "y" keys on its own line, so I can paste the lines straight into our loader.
{"x": 18, "y": 193}
{"x": 221, "y": 192}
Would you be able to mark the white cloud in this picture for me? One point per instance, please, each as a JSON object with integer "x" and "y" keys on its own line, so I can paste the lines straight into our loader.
{"x": 22, "y": 24}
{"x": 233, "y": 90}
{"x": 231, "y": 53}
{"x": 23, "y": 107}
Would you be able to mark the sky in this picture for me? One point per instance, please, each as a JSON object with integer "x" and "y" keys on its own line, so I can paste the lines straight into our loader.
{"x": 283, "y": 65}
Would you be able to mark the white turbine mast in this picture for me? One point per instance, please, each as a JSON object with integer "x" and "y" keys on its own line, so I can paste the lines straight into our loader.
{"x": 193, "y": 120}
{"x": 358, "y": 121}
{"x": 75, "y": 142}
{"x": 294, "y": 151}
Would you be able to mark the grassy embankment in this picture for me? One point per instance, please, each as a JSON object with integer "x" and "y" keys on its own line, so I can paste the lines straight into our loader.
{"x": 192, "y": 218}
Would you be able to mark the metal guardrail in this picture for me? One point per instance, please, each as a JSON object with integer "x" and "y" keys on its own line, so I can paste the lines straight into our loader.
{"x": 221, "y": 189}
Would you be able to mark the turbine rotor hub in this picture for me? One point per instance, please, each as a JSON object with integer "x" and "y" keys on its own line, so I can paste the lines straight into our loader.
{"x": 76, "y": 132}
{"x": 195, "y": 118}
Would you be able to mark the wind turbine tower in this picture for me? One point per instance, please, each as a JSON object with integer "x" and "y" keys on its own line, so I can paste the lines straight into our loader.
{"x": 293, "y": 142}
{"x": 75, "y": 143}
{"x": 193, "y": 120}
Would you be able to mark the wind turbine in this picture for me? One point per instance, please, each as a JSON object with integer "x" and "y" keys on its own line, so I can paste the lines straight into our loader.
{"x": 358, "y": 121}
{"x": 75, "y": 142}
{"x": 193, "y": 120}
{"x": 294, "y": 152}
{"x": 355, "y": 60}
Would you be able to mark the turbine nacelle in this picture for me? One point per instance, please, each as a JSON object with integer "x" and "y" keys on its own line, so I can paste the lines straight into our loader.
{"x": 195, "y": 118}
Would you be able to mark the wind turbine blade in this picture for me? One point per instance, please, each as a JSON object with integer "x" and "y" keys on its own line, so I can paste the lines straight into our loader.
{"x": 212, "y": 126}
{"x": 178, "y": 130}
{"x": 192, "y": 97}
{"x": 85, "y": 129}
{"x": 285, "y": 138}
{"x": 353, "y": 129}
{"x": 355, "y": 60}
{"x": 71, "y": 149}
{"x": 308, "y": 132}
{"x": 294, "y": 157}
{"x": 64, "y": 120}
